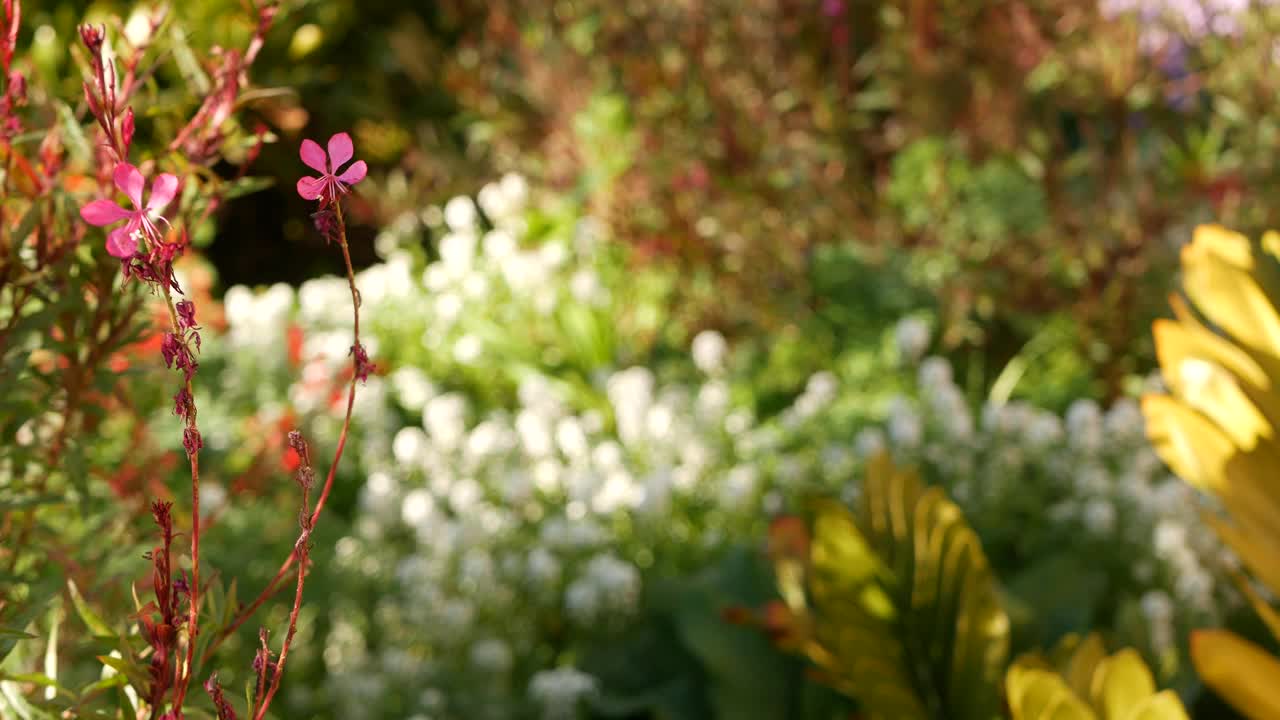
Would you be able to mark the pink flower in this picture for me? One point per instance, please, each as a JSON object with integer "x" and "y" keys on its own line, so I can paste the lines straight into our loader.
{"x": 123, "y": 241}
{"x": 328, "y": 186}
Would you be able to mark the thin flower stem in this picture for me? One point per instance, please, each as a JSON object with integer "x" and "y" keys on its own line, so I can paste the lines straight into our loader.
{"x": 274, "y": 584}
{"x": 193, "y": 621}
{"x": 302, "y": 548}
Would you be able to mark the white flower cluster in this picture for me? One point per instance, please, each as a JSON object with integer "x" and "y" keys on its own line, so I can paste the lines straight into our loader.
{"x": 506, "y": 522}
{"x": 504, "y": 533}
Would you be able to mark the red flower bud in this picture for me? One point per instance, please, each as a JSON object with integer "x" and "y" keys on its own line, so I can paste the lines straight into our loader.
{"x": 126, "y": 131}
{"x": 92, "y": 37}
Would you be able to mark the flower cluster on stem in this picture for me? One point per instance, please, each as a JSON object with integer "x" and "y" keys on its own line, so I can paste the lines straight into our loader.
{"x": 327, "y": 191}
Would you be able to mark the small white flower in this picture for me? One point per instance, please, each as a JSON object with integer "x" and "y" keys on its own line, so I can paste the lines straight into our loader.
{"x": 491, "y": 655}
{"x": 560, "y": 691}
{"x": 417, "y": 508}
{"x": 1084, "y": 424}
{"x": 409, "y": 446}
{"x": 411, "y": 387}
{"x": 905, "y": 427}
{"x": 468, "y": 349}
{"x": 449, "y": 305}
{"x": 911, "y": 335}
{"x": 1100, "y": 516}
{"x": 1170, "y": 538}
{"x": 713, "y": 400}
{"x": 1044, "y": 430}
{"x": 709, "y": 350}
{"x": 542, "y": 567}
{"x": 535, "y": 433}
{"x": 213, "y": 496}
{"x": 1124, "y": 419}
{"x": 585, "y": 286}
{"x": 457, "y": 251}
{"x": 934, "y": 373}
{"x": 445, "y": 420}
{"x": 869, "y": 442}
{"x": 460, "y": 214}
{"x": 739, "y": 486}
{"x": 499, "y": 245}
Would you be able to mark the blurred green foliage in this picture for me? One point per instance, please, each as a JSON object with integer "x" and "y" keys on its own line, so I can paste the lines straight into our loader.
{"x": 1016, "y": 176}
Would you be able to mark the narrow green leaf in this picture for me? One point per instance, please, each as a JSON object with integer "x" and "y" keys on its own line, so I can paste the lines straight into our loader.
{"x": 91, "y": 619}
{"x": 188, "y": 65}
{"x": 75, "y": 139}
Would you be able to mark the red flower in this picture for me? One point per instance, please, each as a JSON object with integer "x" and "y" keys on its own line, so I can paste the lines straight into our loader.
{"x": 329, "y": 185}
{"x": 123, "y": 241}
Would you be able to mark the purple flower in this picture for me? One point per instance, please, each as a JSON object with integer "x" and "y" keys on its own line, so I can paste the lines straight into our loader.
{"x": 182, "y": 403}
{"x": 329, "y": 185}
{"x": 326, "y": 223}
{"x": 177, "y": 353}
{"x": 363, "y": 366}
{"x": 191, "y": 441}
{"x": 123, "y": 241}
{"x": 186, "y": 314}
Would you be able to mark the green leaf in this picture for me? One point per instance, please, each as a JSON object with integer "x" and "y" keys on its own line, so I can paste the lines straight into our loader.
{"x": 906, "y": 613}
{"x": 91, "y": 619}
{"x": 40, "y": 679}
{"x": 105, "y": 683}
{"x": 246, "y": 186}
{"x": 136, "y": 676}
{"x": 35, "y": 604}
{"x": 75, "y": 139}
{"x": 188, "y": 65}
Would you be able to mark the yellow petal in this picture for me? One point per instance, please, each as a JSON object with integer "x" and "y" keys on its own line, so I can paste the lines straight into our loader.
{"x": 1042, "y": 695}
{"x": 1269, "y": 616}
{"x": 1271, "y": 243}
{"x": 1188, "y": 442}
{"x": 1240, "y": 672}
{"x": 1161, "y": 706}
{"x": 1195, "y": 368}
{"x": 1261, "y": 558}
{"x": 1222, "y": 243}
{"x": 1217, "y": 276}
{"x": 1120, "y": 684}
{"x": 1083, "y": 663}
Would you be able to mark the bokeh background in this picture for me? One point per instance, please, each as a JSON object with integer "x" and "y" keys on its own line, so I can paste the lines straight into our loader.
{"x": 640, "y": 277}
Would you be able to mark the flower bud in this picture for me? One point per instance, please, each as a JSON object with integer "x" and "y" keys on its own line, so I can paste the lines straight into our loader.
{"x": 92, "y": 37}
{"x": 126, "y": 131}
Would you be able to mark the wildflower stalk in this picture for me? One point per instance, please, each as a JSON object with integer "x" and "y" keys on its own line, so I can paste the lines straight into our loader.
{"x": 193, "y": 455}
{"x": 359, "y": 369}
{"x": 301, "y": 549}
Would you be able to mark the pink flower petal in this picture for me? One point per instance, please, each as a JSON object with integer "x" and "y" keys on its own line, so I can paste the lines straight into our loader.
{"x": 130, "y": 182}
{"x": 121, "y": 242}
{"x": 103, "y": 212}
{"x": 310, "y": 188}
{"x": 340, "y": 150}
{"x": 355, "y": 173}
{"x": 163, "y": 188}
{"x": 313, "y": 156}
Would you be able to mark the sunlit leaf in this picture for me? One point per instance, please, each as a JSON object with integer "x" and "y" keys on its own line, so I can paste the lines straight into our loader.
{"x": 905, "y": 613}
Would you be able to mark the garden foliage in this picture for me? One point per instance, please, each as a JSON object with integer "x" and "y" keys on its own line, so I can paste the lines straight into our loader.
{"x": 654, "y": 291}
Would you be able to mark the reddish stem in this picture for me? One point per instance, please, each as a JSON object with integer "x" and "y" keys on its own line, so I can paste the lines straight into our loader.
{"x": 193, "y": 617}
{"x": 303, "y": 550}
{"x": 274, "y": 584}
